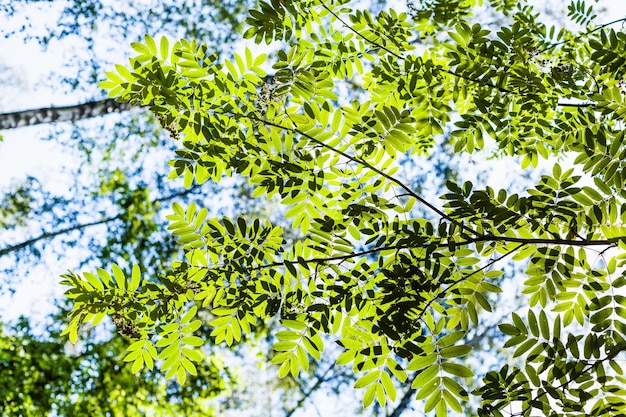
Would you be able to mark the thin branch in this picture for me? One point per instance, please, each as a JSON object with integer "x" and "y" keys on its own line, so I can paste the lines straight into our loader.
{"x": 589, "y": 32}
{"x": 50, "y": 235}
{"x": 480, "y": 82}
{"x": 398, "y": 56}
{"x": 443, "y": 291}
{"x": 360, "y": 35}
{"x": 582, "y": 105}
{"x": 447, "y": 244}
{"x": 483, "y": 83}
{"x": 306, "y": 394}
{"x": 584, "y": 371}
{"x": 383, "y": 174}
{"x": 543, "y": 241}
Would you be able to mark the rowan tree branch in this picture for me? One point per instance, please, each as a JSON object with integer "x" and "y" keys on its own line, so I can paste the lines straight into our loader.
{"x": 446, "y": 244}
{"x": 589, "y": 32}
{"x": 585, "y": 371}
{"x": 379, "y": 46}
{"x": 443, "y": 291}
{"x": 351, "y": 158}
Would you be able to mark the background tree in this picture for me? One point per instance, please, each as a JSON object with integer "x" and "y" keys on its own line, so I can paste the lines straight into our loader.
{"x": 400, "y": 292}
{"x": 109, "y": 206}
{"x": 127, "y": 138}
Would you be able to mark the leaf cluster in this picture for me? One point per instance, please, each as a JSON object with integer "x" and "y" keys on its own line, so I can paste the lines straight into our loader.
{"x": 397, "y": 292}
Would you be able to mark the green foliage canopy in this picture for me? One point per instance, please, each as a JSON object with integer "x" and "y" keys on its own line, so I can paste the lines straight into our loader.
{"x": 41, "y": 378}
{"x": 397, "y": 291}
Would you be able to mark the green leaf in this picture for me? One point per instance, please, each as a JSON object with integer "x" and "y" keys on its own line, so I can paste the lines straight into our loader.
{"x": 164, "y": 47}
{"x": 420, "y": 362}
{"x": 426, "y": 376}
{"x": 370, "y": 394}
{"x": 303, "y": 359}
{"x": 190, "y": 314}
{"x": 193, "y": 341}
{"x": 133, "y": 355}
{"x": 432, "y": 401}
{"x": 104, "y": 276}
{"x": 284, "y": 346}
{"x": 455, "y": 351}
{"x": 191, "y": 327}
{"x": 543, "y": 324}
{"x": 519, "y": 323}
{"x": 135, "y": 278}
{"x": 94, "y": 281}
{"x": 427, "y": 389}
{"x": 508, "y": 329}
{"x": 524, "y": 347}
{"x": 367, "y": 379}
{"x": 452, "y": 401}
{"x": 150, "y": 44}
{"x": 137, "y": 365}
{"x": 457, "y": 369}
{"x": 192, "y": 354}
{"x": 120, "y": 279}
{"x": 387, "y": 383}
{"x": 294, "y": 324}
{"x": 148, "y": 360}
{"x": 189, "y": 366}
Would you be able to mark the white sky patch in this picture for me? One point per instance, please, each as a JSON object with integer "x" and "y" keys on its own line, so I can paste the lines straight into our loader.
{"x": 23, "y": 154}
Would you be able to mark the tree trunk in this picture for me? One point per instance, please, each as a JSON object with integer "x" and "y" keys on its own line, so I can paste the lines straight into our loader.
{"x": 61, "y": 114}
{"x": 73, "y": 113}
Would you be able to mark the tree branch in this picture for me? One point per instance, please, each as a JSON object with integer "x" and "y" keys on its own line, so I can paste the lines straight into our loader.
{"x": 581, "y": 105}
{"x": 398, "y": 56}
{"x": 589, "y": 32}
{"x": 464, "y": 77}
{"x": 447, "y": 244}
{"x": 443, "y": 291}
{"x": 360, "y": 35}
{"x": 50, "y": 235}
{"x": 351, "y": 158}
{"x": 583, "y": 371}
{"x": 406, "y": 399}
{"x": 306, "y": 394}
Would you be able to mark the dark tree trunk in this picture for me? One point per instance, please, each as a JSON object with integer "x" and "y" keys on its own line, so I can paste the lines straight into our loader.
{"x": 61, "y": 114}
